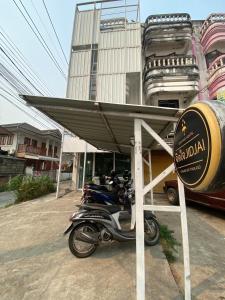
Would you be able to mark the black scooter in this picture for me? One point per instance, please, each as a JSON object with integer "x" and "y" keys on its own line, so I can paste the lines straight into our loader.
{"x": 95, "y": 223}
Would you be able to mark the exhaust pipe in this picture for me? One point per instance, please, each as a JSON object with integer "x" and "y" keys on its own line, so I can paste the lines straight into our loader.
{"x": 88, "y": 237}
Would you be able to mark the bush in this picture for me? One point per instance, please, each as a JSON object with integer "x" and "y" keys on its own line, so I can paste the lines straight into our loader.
{"x": 33, "y": 187}
{"x": 15, "y": 183}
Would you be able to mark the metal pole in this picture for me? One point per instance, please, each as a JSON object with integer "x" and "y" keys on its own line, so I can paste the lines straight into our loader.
{"x": 60, "y": 165}
{"x": 93, "y": 166}
{"x": 184, "y": 228}
{"x": 140, "y": 258}
{"x": 84, "y": 168}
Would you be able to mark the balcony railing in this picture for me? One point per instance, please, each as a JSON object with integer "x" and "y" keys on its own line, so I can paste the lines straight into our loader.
{"x": 180, "y": 74}
{"x": 29, "y": 149}
{"x": 168, "y": 18}
{"x": 213, "y": 18}
{"x": 170, "y": 66}
{"x": 172, "y": 28}
{"x": 169, "y": 62}
{"x": 216, "y": 76}
{"x": 217, "y": 64}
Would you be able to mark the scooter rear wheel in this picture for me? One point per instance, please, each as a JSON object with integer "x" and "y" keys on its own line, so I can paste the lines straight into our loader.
{"x": 78, "y": 248}
{"x": 152, "y": 232}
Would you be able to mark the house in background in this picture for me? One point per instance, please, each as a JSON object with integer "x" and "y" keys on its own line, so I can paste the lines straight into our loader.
{"x": 39, "y": 148}
{"x": 9, "y": 166}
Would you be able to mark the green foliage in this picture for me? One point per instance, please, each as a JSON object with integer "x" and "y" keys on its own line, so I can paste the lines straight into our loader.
{"x": 15, "y": 183}
{"x": 169, "y": 243}
{"x": 33, "y": 187}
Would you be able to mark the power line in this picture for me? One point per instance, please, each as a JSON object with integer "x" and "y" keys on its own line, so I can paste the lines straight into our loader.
{"x": 40, "y": 38}
{"x": 20, "y": 108}
{"x": 47, "y": 32}
{"x": 37, "y": 112}
{"x": 12, "y": 61}
{"x": 17, "y": 61}
{"x": 16, "y": 83}
{"x": 23, "y": 59}
{"x": 46, "y": 9}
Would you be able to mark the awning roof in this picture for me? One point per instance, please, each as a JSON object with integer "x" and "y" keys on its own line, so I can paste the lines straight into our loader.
{"x": 104, "y": 125}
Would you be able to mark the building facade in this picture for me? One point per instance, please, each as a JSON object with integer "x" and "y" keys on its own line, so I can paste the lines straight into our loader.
{"x": 39, "y": 148}
{"x": 168, "y": 61}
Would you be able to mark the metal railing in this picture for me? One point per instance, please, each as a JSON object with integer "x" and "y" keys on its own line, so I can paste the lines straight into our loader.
{"x": 218, "y": 63}
{"x": 169, "y": 62}
{"x": 168, "y": 18}
{"x": 29, "y": 149}
{"x": 213, "y": 18}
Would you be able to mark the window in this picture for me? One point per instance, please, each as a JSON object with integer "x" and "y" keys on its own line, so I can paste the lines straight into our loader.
{"x": 2, "y": 140}
{"x": 50, "y": 150}
{"x": 103, "y": 164}
{"x": 122, "y": 163}
{"x": 94, "y": 63}
{"x": 34, "y": 143}
{"x": 10, "y": 140}
{"x": 55, "y": 151}
{"x": 88, "y": 171}
{"x": 169, "y": 103}
{"x": 6, "y": 140}
{"x": 27, "y": 141}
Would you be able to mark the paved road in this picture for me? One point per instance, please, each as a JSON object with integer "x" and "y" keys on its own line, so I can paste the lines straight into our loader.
{"x": 7, "y": 198}
{"x": 207, "y": 250}
{"x": 35, "y": 262}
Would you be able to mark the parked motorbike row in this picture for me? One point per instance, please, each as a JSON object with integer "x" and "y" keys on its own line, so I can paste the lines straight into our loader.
{"x": 98, "y": 218}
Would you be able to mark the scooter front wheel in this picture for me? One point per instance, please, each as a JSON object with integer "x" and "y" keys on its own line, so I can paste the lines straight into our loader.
{"x": 78, "y": 248}
{"x": 152, "y": 232}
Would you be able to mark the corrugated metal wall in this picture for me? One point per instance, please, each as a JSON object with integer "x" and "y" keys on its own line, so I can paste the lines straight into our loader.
{"x": 80, "y": 63}
{"x": 86, "y": 23}
{"x": 111, "y": 88}
{"x": 119, "y": 60}
{"x": 119, "y": 38}
{"x": 118, "y": 54}
{"x": 78, "y": 88}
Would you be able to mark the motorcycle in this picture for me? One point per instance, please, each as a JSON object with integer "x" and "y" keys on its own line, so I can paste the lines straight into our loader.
{"x": 94, "y": 193}
{"x": 95, "y": 223}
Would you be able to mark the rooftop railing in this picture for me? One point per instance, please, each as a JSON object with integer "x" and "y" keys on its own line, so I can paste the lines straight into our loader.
{"x": 168, "y": 18}
{"x": 213, "y": 18}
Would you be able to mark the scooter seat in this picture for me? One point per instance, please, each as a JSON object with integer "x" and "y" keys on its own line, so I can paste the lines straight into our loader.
{"x": 107, "y": 208}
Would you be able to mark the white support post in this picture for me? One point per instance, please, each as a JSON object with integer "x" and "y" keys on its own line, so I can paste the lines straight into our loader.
{"x": 184, "y": 228}
{"x": 84, "y": 167}
{"x": 60, "y": 165}
{"x": 140, "y": 191}
{"x": 157, "y": 179}
{"x": 157, "y": 138}
{"x": 140, "y": 258}
{"x": 150, "y": 174}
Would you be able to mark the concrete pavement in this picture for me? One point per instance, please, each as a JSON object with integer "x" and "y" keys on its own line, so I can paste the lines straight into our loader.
{"x": 7, "y": 198}
{"x": 207, "y": 250}
{"x": 36, "y": 262}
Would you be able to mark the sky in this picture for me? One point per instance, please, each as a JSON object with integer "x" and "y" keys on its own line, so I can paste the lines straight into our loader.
{"x": 62, "y": 14}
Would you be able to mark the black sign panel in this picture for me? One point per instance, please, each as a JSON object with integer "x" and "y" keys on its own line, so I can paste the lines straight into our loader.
{"x": 192, "y": 147}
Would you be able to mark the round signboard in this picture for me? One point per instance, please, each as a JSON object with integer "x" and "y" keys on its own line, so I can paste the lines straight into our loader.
{"x": 198, "y": 147}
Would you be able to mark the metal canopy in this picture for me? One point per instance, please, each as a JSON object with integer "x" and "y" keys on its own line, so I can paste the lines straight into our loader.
{"x": 106, "y": 126}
